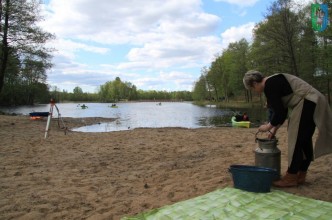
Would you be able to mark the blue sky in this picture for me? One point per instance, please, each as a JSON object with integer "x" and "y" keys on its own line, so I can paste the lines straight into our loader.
{"x": 154, "y": 44}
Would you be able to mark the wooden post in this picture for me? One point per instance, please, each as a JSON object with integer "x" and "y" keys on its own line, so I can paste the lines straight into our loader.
{"x": 49, "y": 117}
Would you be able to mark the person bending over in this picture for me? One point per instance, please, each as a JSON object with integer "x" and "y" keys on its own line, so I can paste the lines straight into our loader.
{"x": 309, "y": 109}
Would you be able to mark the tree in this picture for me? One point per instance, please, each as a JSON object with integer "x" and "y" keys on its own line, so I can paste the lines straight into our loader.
{"x": 116, "y": 90}
{"x": 264, "y": 55}
{"x": 77, "y": 90}
{"x": 308, "y": 48}
{"x": 20, "y": 35}
{"x": 214, "y": 78}
{"x": 33, "y": 73}
{"x": 237, "y": 65}
{"x": 200, "y": 91}
{"x": 284, "y": 41}
{"x": 276, "y": 39}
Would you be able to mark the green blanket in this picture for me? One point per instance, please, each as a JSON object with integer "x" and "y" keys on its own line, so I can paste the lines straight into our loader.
{"x": 231, "y": 203}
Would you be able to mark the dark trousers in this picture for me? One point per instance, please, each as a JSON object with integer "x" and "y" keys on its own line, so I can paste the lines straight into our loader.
{"x": 303, "y": 152}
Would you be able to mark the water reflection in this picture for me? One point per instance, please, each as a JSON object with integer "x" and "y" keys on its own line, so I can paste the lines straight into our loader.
{"x": 217, "y": 121}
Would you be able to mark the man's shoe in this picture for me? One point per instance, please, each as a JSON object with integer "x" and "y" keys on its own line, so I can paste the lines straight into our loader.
{"x": 301, "y": 175}
{"x": 288, "y": 180}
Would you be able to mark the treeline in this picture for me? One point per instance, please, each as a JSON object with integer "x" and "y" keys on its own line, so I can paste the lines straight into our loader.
{"x": 284, "y": 42}
{"x": 117, "y": 90}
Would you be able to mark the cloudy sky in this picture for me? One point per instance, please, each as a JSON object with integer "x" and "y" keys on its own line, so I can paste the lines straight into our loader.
{"x": 154, "y": 44}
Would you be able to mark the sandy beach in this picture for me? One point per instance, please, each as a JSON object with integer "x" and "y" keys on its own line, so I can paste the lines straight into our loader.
{"x": 111, "y": 175}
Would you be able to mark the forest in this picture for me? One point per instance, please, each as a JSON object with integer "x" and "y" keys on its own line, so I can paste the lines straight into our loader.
{"x": 286, "y": 41}
{"x": 117, "y": 90}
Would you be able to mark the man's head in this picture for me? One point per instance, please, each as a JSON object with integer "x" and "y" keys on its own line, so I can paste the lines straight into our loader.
{"x": 251, "y": 78}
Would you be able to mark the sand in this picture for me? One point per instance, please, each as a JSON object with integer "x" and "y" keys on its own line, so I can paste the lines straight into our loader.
{"x": 111, "y": 175}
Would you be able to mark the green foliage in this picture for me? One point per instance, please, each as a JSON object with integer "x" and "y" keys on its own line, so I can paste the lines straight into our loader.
{"x": 237, "y": 65}
{"x": 163, "y": 95}
{"x": 114, "y": 91}
{"x": 283, "y": 42}
{"x": 78, "y": 95}
{"x": 214, "y": 80}
{"x": 200, "y": 91}
{"x": 278, "y": 37}
{"x": 117, "y": 90}
{"x": 24, "y": 58}
{"x": 224, "y": 78}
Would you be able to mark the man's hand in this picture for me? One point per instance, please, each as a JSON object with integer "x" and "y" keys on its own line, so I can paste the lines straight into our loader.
{"x": 265, "y": 128}
{"x": 270, "y": 128}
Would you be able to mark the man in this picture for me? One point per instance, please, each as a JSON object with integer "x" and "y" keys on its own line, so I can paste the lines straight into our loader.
{"x": 309, "y": 109}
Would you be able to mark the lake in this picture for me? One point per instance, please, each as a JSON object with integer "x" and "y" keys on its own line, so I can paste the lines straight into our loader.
{"x": 144, "y": 115}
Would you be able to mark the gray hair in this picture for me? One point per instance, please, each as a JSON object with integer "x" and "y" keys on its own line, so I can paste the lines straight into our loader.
{"x": 250, "y": 77}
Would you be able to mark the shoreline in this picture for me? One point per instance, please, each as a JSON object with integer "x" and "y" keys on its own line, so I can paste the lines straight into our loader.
{"x": 115, "y": 174}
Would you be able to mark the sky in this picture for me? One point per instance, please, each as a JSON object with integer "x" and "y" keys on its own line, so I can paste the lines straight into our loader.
{"x": 153, "y": 44}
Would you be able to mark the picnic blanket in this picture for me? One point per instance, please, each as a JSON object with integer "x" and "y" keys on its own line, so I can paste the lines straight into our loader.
{"x": 231, "y": 203}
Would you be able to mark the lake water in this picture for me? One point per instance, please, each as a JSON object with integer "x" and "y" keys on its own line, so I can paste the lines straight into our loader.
{"x": 144, "y": 114}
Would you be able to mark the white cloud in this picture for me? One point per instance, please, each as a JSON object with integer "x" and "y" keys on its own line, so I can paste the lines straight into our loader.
{"x": 118, "y": 22}
{"x": 235, "y": 34}
{"x": 166, "y": 42}
{"x": 68, "y": 48}
{"x": 179, "y": 80}
{"x": 242, "y": 3}
{"x": 114, "y": 22}
{"x": 181, "y": 52}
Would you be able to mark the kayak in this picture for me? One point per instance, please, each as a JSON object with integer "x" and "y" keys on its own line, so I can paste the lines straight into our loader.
{"x": 38, "y": 114}
{"x": 241, "y": 124}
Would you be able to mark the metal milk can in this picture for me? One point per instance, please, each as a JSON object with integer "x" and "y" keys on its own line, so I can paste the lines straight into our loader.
{"x": 267, "y": 154}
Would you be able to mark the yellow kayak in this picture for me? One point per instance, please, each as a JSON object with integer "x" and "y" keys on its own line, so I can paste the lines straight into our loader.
{"x": 241, "y": 124}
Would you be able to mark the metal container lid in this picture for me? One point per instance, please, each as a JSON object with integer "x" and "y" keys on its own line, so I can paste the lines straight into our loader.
{"x": 267, "y": 143}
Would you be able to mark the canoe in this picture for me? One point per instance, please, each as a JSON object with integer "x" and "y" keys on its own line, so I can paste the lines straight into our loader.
{"x": 241, "y": 124}
{"x": 38, "y": 114}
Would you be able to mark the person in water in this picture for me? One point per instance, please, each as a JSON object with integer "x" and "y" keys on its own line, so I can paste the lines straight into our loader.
{"x": 245, "y": 117}
{"x": 309, "y": 109}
